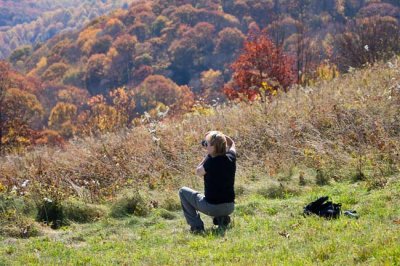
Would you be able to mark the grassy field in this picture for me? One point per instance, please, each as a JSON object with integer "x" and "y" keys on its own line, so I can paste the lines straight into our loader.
{"x": 265, "y": 231}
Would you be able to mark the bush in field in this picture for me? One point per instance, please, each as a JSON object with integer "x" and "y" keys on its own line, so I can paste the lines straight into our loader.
{"x": 130, "y": 204}
{"x": 81, "y": 212}
{"x": 51, "y": 213}
{"x": 167, "y": 215}
{"x": 15, "y": 220}
{"x": 171, "y": 203}
{"x": 277, "y": 191}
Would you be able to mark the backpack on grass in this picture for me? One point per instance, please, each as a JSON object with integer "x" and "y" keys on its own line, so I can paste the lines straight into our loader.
{"x": 323, "y": 208}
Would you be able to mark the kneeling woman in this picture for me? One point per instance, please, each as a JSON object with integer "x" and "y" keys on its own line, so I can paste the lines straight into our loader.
{"x": 218, "y": 169}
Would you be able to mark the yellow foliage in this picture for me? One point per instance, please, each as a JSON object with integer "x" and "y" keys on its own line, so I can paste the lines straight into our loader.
{"x": 40, "y": 66}
{"x": 62, "y": 113}
{"x": 2, "y": 187}
{"x": 201, "y": 110}
{"x": 23, "y": 140}
{"x": 106, "y": 118}
{"x": 112, "y": 52}
{"x": 327, "y": 72}
{"x": 267, "y": 89}
{"x": 211, "y": 79}
{"x": 87, "y": 38}
{"x": 42, "y": 63}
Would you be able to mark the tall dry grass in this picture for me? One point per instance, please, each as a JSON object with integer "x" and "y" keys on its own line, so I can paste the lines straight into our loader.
{"x": 346, "y": 128}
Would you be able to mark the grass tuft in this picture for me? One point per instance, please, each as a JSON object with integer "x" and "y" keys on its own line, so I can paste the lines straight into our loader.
{"x": 130, "y": 204}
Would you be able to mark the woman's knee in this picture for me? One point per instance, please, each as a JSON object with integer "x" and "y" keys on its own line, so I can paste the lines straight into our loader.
{"x": 183, "y": 190}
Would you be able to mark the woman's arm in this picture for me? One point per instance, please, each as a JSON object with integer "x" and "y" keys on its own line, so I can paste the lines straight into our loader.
{"x": 200, "y": 168}
{"x": 231, "y": 144}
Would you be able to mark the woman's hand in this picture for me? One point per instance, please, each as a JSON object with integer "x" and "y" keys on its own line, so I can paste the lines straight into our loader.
{"x": 200, "y": 169}
{"x": 230, "y": 143}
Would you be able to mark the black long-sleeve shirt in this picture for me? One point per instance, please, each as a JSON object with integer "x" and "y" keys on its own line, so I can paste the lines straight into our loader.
{"x": 219, "y": 179}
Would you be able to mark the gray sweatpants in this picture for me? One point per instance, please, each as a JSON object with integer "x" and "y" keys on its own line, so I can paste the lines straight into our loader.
{"x": 193, "y": 202}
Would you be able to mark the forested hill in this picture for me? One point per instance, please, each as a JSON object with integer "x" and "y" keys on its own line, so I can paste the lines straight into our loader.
{"x": 29, "y": 22}
{"x": 181, "y": 40}
{"x": 178, "y": 56}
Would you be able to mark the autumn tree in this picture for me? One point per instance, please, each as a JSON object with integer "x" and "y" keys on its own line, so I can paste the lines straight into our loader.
{"x": 123, "y": 50}
{"x": 261, "y": 62}
{"x": 281, "y": 29}
{"x": 229, "y": 41}
{"x": 19, "y": 55}
{"x": 212, "y": 82}
{"x": 23, "y": 114}
{"x": 186, "y": 14}
{"x": 368, "y": 40}
{"x": 192, "y": 51}
{"x": 113, "y": 27}
{"x": 302, "y": 9}
{"x": 72, "y": 95}
{"x": 309, "y": 53}
{"x": 96, "y": 77}
{"x": 158, "y": 25}
{"x": 141, "y": 73}
{"x": 101, "y": 117}
{"x": 123, "y": 100}
{"x": 101, "y": 45}
{"x": 158, "y": 90}
{"x": 4, "y": 84}
{"x": 55, "y": 72}
{"x": 379, "y": 9}
{"x": 63, "y": 119}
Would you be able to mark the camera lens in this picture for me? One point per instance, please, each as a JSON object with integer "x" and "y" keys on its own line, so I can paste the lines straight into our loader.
{"x": 204, "y": 143}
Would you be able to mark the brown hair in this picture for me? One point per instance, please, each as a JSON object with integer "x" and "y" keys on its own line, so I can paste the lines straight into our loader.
{"x": 218, "y": 140}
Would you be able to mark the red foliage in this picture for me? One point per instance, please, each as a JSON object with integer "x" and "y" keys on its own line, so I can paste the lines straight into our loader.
{"x": 261, "y": 61}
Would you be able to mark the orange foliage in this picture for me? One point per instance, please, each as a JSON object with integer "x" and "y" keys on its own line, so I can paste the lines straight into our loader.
{"x": 261, "y": 61}
{"x": 156, "y": 89}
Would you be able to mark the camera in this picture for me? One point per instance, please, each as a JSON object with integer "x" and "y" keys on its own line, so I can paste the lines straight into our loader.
{"x": 204, "y": 143}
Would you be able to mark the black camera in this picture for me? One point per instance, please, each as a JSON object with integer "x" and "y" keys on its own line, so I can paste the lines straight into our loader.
{"x": 204, "y": 143}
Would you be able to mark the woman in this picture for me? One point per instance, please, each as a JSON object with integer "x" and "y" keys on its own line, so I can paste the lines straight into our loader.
{"x": 218, "y": 169}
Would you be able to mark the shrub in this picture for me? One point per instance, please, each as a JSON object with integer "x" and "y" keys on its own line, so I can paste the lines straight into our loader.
{"x": 51, "y": 213}
{"x": 277, "y": 191}
{"x": 18, "y": 226}
{"x": 321, "y": 178}
{"x": 81, "y": 212}
{"x": 376, "y": 182}
{"x": 171, "y": 203}
{"x": 130, "y": 204}
{"x": 20, "y": 205}
{"x": 166, "y": 214}
{"x": 13, "y": 217}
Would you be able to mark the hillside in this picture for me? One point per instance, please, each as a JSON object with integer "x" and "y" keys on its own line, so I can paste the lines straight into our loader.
{"x": 339, "y": 139}
{"x": 157, "y": 59}
{"x": 183, "y": 40}
{"x": 33, "y": 22}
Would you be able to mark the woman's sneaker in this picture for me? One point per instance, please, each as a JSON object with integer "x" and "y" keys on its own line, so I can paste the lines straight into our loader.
{"x": 197, "y": 230}
{"x": 222, "y": 220}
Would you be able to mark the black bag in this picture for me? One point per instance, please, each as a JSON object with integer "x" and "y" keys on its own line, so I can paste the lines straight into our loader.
{"x": 323, "y": 208}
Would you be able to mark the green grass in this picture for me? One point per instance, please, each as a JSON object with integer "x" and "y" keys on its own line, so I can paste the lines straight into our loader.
{"x": 264, "y": 231}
